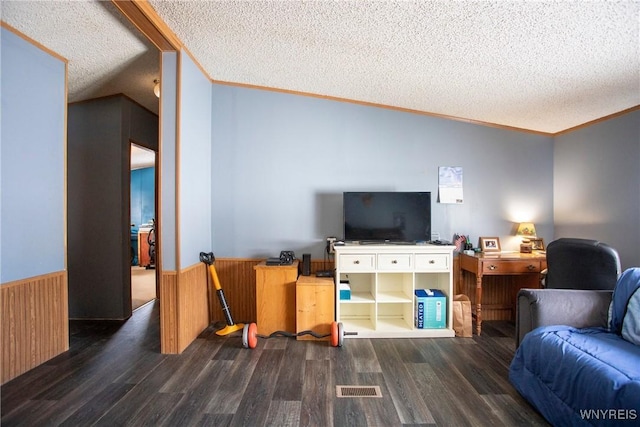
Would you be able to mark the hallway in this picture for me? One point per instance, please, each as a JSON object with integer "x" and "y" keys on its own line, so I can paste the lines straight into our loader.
{"x": 143, "y": 286}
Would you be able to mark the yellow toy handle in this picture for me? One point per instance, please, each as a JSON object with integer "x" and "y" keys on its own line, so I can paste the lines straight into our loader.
{"x": 209, "y": 259}
{"x": 214, "y": 277}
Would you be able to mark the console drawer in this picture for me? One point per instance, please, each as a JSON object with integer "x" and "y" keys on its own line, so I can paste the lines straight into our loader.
{"x": 356, "y": 262}
{"x": 512, "y": 267}
{"x": 428, "y": 262}
{"x": 394, "y": 262}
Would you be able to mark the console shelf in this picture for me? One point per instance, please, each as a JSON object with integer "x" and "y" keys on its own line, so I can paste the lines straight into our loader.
{"x": 383, "y": 279}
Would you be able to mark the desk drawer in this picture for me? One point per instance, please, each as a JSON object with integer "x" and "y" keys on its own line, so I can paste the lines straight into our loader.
{"x": 511, "y": 267}
{"x": 357, "y": 262}
{"x": 394, "y": 262}
{"x": 429, "y": 262}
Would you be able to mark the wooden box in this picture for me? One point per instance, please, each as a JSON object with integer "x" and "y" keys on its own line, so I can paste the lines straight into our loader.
{"x": 315, "y": 308}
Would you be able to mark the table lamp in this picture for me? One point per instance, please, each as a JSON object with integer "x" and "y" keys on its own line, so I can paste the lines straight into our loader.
{"x": 526, "y": 230}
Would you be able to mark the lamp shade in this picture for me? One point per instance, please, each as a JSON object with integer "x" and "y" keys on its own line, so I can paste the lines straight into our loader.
{"x": 526, "y": 229}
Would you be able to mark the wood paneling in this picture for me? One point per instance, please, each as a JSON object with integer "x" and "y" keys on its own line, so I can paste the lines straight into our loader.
{"x": 169, "y": 312}
{"x": 183, "y": 307}
{"x": 193, "y": 314}
{"x": 35, "y": 322}
{"x": 238, "y": 281}
{"x": 186, "y": 297}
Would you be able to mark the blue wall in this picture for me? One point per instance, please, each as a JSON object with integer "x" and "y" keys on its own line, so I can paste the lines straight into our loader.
{"x": 32, "y": 221}
{"x": 142, "y": 203}
{"x": 597, "y": 185}
{"x": 168, "y": 124}
{"x": 142, "y": 197}
{"x": 194, "y": 163}
{"x": 280, "y": 163}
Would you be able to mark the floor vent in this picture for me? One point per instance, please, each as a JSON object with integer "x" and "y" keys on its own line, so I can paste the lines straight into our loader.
{"x": 358, "y": 391}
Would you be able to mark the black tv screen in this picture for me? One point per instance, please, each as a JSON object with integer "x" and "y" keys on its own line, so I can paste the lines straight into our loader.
{"x": 390, "y": 216}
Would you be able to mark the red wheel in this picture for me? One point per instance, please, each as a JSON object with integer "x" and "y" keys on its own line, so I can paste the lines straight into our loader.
{"x": 334, "y": 334}
{"x": 252, "y": 338}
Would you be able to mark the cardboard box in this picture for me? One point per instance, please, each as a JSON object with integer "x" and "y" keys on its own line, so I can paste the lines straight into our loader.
{"x": 430, "y": 309}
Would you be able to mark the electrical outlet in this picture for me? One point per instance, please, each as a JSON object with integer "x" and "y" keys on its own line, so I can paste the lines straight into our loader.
{"x": 435, "y": 235}
{"x": 330, "y": 242}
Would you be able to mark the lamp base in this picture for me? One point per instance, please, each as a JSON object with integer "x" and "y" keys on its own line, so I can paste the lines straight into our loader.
{"x": 526, "y": 248}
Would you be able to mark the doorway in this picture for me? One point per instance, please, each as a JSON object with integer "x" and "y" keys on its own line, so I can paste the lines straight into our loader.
{"x": 143, "y": 212}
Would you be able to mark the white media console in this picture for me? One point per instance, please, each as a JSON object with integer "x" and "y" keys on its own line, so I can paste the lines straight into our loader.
{"x": 382, "y": 279}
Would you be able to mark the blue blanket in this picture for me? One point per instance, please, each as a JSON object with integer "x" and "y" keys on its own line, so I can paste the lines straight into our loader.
{"x": 579, "y": 376}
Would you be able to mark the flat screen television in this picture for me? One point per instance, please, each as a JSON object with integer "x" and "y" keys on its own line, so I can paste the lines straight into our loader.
{"x": 387, "y": 216}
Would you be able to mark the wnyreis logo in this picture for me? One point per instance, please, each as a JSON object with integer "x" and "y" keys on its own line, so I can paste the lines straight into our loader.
{"x": 608, "y": 414}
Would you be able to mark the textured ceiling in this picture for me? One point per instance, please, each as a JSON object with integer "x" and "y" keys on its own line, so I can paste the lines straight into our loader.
{"x": 541, "y": 66}
{"x": 105, "y": 53}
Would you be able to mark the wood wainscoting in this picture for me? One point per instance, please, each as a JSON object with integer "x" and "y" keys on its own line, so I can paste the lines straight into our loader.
{"x": 192, "y": 304}
{"x": 238, "y": 281}
{"x": 189, "y": 303}
{"x": 168, "y": 312}
{"x": 35, "y": 322}
{"x": 184, "y": 312}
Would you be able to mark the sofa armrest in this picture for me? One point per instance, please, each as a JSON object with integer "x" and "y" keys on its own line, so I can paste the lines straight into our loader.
{"x": 571, "y": 307}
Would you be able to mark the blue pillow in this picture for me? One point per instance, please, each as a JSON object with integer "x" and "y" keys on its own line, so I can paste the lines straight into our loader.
{"x": 624, "y": 311}
{"x": 631, "y": 323}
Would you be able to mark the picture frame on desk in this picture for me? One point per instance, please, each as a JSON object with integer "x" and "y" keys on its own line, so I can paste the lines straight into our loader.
{"x": 537, "y": 244}
{"x": 490, "y": 244}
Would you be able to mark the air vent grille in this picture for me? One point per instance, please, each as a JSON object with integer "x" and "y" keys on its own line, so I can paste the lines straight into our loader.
{"x": 358, "y": 391}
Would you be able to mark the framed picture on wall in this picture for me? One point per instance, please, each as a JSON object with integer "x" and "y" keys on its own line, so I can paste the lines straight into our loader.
{"x": 490, "y": 244}
{"x": 537, "y": 244}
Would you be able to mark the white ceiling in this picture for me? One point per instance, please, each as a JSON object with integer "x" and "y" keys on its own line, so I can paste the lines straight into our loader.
{"x": 142, "y": 157}
{"x": 543, "y": 66}
{"x": 105, "y": 53}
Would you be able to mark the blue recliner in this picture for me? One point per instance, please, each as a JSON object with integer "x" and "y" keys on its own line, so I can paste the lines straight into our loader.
{"x": 577, "y": 355}
{"x": 584, "y": 368}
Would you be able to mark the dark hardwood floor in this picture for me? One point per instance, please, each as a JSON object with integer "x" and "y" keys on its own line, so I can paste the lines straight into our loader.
{"x": 114, "y": 375}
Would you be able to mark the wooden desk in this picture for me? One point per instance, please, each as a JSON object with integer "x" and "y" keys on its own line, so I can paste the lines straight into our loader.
{"x": 526, "y": 266}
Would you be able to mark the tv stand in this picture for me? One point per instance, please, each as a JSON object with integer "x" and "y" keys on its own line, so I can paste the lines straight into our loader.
{"x": 383, "y": 279}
